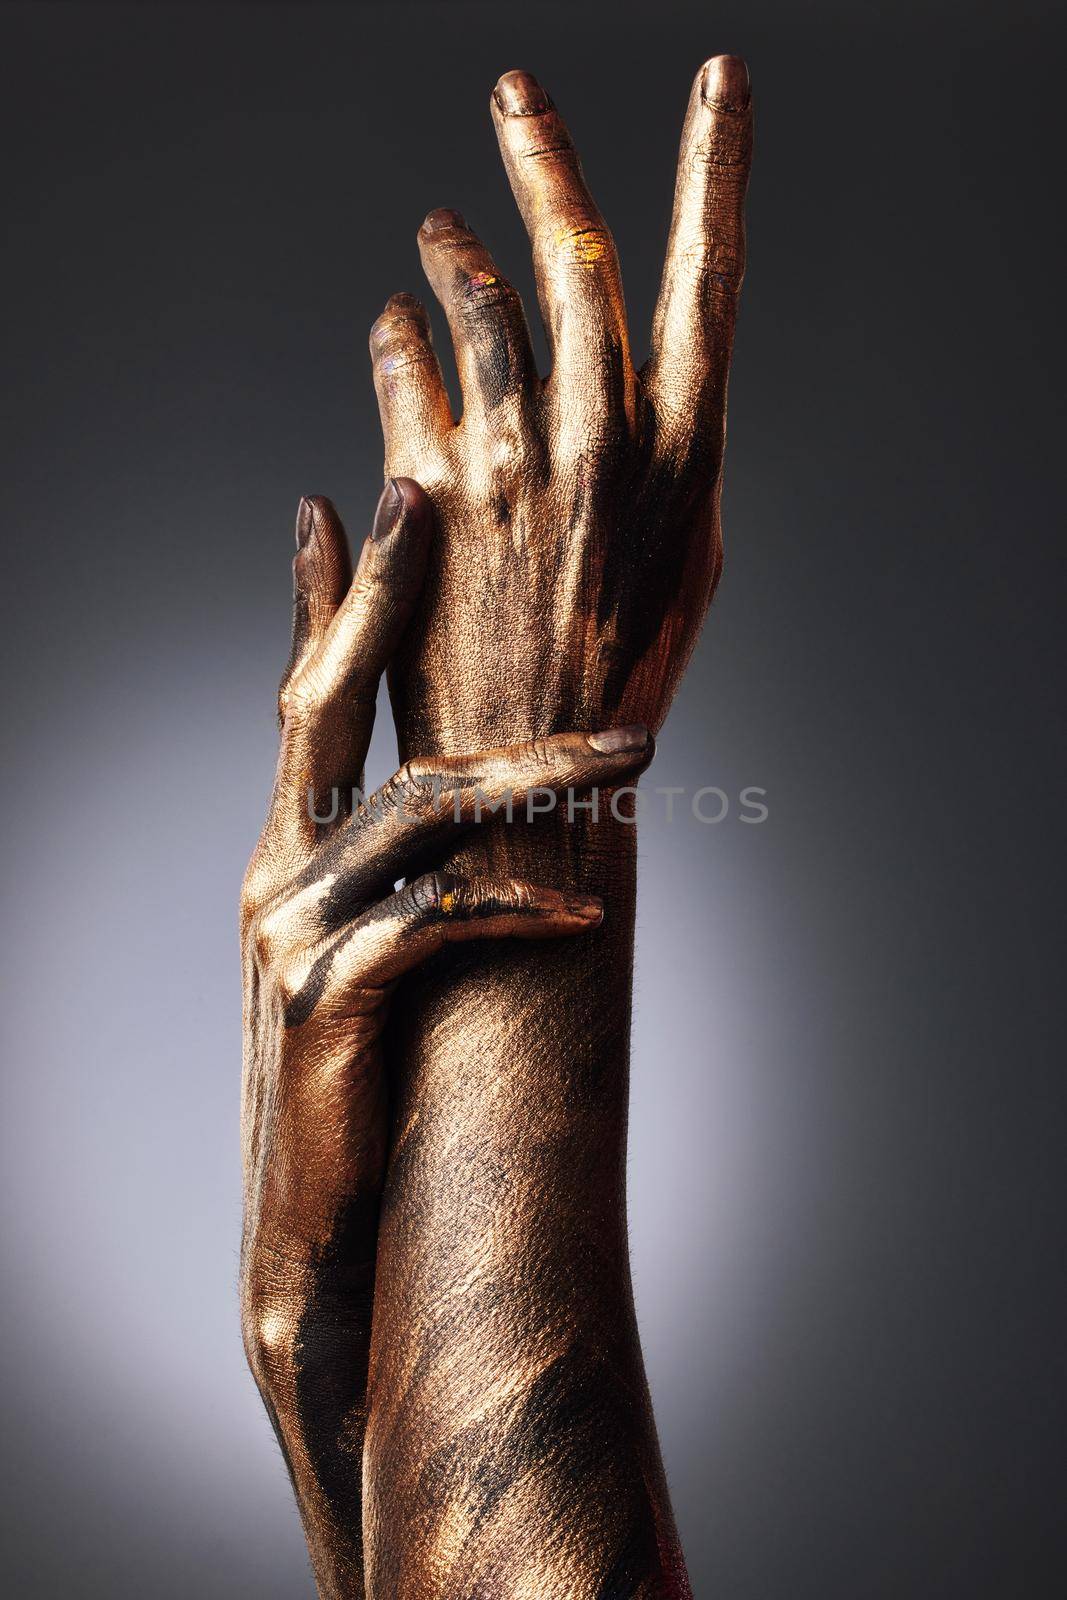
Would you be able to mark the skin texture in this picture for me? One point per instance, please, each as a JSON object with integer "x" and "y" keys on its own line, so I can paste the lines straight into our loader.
{"x": 325, "y": 939}
{"x": 510, "y": 1449}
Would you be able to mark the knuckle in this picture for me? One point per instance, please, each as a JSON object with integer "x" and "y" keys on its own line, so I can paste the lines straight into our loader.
{"x": 588, "y": 446}
{"x": 289, "y": 980}
{"x": 252, "y": 891}
{"x": 400, "y": 339}
{"x": 689, "y": 456}
{"x": 404, "y": 781}
{"x": 724, "y": 152}
{"x": 507, "y": 452}
{"x": 716, "y": 262}
{"x": 269, "y": 1328}
{"x": 269, "y": 932}
{"x": 514, "y": 895}
{"x": 549, "y": 147}
{"x": 262, "y": 947}
{"x": 303, "y": 698}
{"x": 484, "y": 294}
{"x": 409, "y": 790}
{"x": 585, "y": 246}
{"x": 541, "y": 753}
{"x": 393, "y": 359}
{"x": 403, "y": 315}
{"x": 430, "y": 893}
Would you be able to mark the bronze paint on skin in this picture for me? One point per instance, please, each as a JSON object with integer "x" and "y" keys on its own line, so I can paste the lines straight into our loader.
{"x": 488, "y": 1431}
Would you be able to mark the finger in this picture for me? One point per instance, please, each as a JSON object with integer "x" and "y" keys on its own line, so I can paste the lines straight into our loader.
{"x": 329, "y": 703}
{"x": 424, "y": 916}
{"x": 575, "y": 264}
{"x": 392, "y": 833}
{"x": 412, "y": 399}
{"x": 693, "y": 329}
{"x": 322, "y": 572}
{"x": 367, "y": 625}
{"x": 485, "y": 315}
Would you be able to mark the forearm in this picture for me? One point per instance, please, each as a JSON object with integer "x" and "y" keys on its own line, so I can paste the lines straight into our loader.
{"x": 308, "y": 1348}
{"x": 312, "y": 1197}
{"x": 510, "y": 1446}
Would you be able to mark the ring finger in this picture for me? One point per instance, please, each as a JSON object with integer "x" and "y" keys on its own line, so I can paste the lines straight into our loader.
{"x": 485, "y": 315}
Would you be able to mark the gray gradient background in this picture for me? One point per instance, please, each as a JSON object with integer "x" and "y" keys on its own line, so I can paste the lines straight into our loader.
{"x": 848, "y": 1101}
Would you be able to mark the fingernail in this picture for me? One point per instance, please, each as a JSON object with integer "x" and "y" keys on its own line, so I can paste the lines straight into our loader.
{"x": 388, "y": 512}
{"x": 305, "y": 522}
{"x": 443, "y": 218}
{"x": 518, "y": 94}
{"x": 404, "y": 304}
{"x": 726, "y": 83}
{"x": 587, "y": 906}
{"x": 614, "y": 741}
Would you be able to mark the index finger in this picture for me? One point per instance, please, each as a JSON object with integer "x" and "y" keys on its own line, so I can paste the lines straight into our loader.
{"x": 328, "y": 705}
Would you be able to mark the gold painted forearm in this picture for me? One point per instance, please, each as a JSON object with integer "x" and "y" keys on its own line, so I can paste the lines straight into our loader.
{"x": 511, "y": 1448}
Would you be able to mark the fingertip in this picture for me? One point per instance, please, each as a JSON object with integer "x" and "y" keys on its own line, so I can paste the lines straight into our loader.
{"x": 518, "y": 94}
{"x": 398, "y": 309}
{"x": 387, "y": 514}
{"x": 417, "y": 515}
{"x": 321, "y": 566}
{"x": 586, "y": 909}
{"x": 618, "y": 741}
{"x": 725, "y": 84}
{"x": 629, "y": 750}
{"x": 399, "y": 533}
{"x": 407, "y": 378}
{"x": 322, "y": 572}
{"x": 416, "y": 501}
{"x": 305, "y": 522}
{"x": 443, "y": 219}
{"x": 403, "y": 304}
{"x": 549, "y": 913}
{"x": 315, "y": 515}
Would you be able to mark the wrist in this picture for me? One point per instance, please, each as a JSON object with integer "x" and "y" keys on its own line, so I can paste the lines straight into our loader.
{"x": 288, "y": 1298}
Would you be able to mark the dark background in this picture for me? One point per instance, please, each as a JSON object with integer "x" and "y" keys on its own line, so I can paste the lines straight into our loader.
{"x": 849, "y": 1100}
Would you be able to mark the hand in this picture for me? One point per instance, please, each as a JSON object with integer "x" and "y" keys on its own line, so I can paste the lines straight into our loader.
{"x": 324, "y": 940}
{"x": 579, "y": 515}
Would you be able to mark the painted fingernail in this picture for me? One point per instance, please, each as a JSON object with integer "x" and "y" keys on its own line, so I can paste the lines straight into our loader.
{"x": 443, "y": 218}
{"x": 518, "y": 94}
{"x": 726, "y": 83}
{"x": 616, "y": 741}
{"x": 305, "y": 522}
{"x": 388, "y": 512}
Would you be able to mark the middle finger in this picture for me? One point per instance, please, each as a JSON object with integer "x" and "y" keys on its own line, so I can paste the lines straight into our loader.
{"x": 575, "y": 263}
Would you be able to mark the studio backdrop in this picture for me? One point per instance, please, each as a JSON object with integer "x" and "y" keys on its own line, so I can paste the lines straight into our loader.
{"x": 848, "y": 1101}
